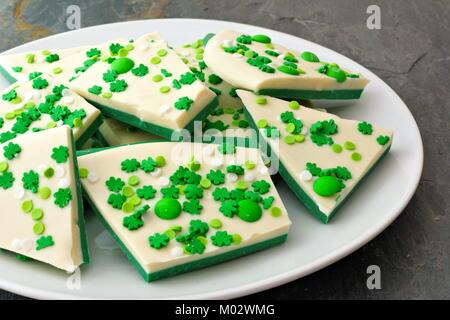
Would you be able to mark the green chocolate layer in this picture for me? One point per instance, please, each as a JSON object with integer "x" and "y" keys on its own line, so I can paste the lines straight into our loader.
{"x": 312, "y": 94}
{"x": 7, "y": 75}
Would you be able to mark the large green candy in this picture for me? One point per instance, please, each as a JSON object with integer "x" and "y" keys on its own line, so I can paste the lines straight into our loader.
{"x": 309, "y": 56}
{"x": 261, "y": 38}
{"x": 337, "y": 73}
{"x": 327, "y": 186}
{"x": 249, "y": 210}
{"x": 168, "y": 208}
{"x": 122, "y": 65}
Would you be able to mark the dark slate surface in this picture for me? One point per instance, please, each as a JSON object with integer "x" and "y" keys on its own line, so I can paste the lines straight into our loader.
{"x": 411, "y": 53}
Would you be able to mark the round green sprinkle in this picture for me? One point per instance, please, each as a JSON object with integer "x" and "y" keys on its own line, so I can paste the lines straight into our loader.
{"x": 44, "y": 192}
{"x": 168, "y": 208}
{"x": 77, "y": 122}
{"x": 83, "y": 172}
{"x": 194, "y": 165}
{"x": 29, "y": 105}
{"x": 288, "y": 70}
{"x": 261, "y": 100}
{"x": 157, "y": 78}
{"x": 123, "y": 52}
{"x": 38, "y": 228}
{"x": 155, "y": 60}
{"x": 51, "y": 124}
{"x": 215, "y": 223}
{"x": 27, "y": 206}
{"x": 229, "y": 110}
{"x": 309, "y": 56}
{"x": 164, "y": 89}
{"x": 160, "y": 161}
{"x": 261, "y": 38}
{"x": 16, "y": 100}
{"x": 348, "y": 145}
{"x": 290, "y": 127}
{"x": 133, "y": 180}
{"x": 249, "y": 210}
{"x": 275, "y": 212}
{"x": 289, "y": 139}
{"x": 299, "y": 138}
{"x": 161, "y": 52}
{"x": 122, "y": 65}
{"x": 128, "y": 207}
{"x": 185, "y": 60}
{"x": 45, "y": 52}
{"x": 241, "y": 185}
{"x": 262, "y": 123}
{"x": 127, "y": 191}
{"x": 235, "y": 123}
{"x": 203, "y": 240}
{"x": 356, "y": 156}
{"x": 249, "y": 164}
{"x": 294, "y": 105}
{"x": 176, "y": 228}
{"x": 337, "y": 148}
{"x": 10, "y": 115}
{"x": 107, "y": 95}
{"x": 236, "y": 238}
{"x": 4, "y": 166}
{"x": 205, "y": 183}
{"x": 170, "y": 233}
{"x": 337, "y": 73}
{"x": 326, "y": 186}
{"x": 49, "y": 172}
{"x": 57, "y": 70}
{"x": 129, "y": 47}
{"x": 135, "y": 200}
{"x": 37, "y": 214}
{"x": 199, "y": 56}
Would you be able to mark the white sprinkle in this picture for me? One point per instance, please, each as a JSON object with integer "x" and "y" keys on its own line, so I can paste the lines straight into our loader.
{"x": 66, "y": 92}
{"x": 64, "y": 183}
{"x": 27, "y": 244}
{"x": 28, "y": 96}
{"x": 59, "y": 123}
{"x": 41, "y": 168}
{"x": 16, "y": 244}
{"x": 163, "y": 182}
{"x": 36, "y": 95}
{"x": 68, "y": 100}
{"x": 144, "y": 47}
{"x": 164, "y": 108}
{"x": 59, "y": 171}
{"x": 263, "y": 169}
{"x": 281, "y": 56}
{"x": 249, "y": 176}
{"x": 227, "y": 43}
{"x": 19, "y": 193}
{"x": 305, "y": 130}
{"x": 177, "y": 251}
{"x": 232, "y": 177}
{"x": 305, "y": 175}
{"x": 185, "y": 53}
{"x": 217, "y": 162}
{"x": 208, "y": 150}
{"x": 92, "y": 177}
{"x": 156, "y": 173}
{"x": 237, "y": 55}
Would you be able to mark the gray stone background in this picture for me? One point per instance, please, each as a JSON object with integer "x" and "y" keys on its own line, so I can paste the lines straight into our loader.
{"x": 411, "y": 53}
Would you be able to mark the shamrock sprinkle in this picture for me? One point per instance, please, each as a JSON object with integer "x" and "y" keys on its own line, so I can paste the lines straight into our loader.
{"x": 146, "y": 192}
{"x": 52, "y": 58}
{"x": 365, "y": 128}
{"x": 382, "y": 140}
{"x": 148, "y": 165}
{"x": 188, "y": 78}
{"x": 239, "y": 170}
{"x": 193, "y": 192}
{"x": 229, "y": 208}
{"x": 115, "y": 184}
{"x": 44, "y": 242}
{"x": 60, "y": 154}
{"x": 198, "y": 227}
{"x": 192, "y": 207}
{"x": 321, "y": 130}
{"x": 158, "y": 240}
{"x": 10, "y": 95}
{"x": 11, "y": 150}
{"x": 221, "y": 194}
{"x": 93, "y": 52}
{"x": 140, "y": 71}
{"x": 40, "y": 83}
{"x": 195, "y": 246}
{"x": 132, "y": 222}
{"x": 222, "y": 239}
{"x": 110, "y": 76}
{"x": 267, "y": 202}
{"x": 114, "y": 48}
{"x": 62, "y": 197}
{"x": 6, "y": 180}
{"x": 216, "y": 176}
{"x": 30, "y": 181}
{"x": 130, "y": 165}
{"x": 214, "y": 79}
{"x": 118, "y": 86}
{"x": 170, "y": 192}
{"x": 34, "y": 75}
{"x": 183, "y": 103}
{"x": 95, "y": 90}
{"x": 261, "y": 186}
{"x": 116, "y": 200}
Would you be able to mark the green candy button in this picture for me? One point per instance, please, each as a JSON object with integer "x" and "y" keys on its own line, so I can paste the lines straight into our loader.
{"x": 249, "y": 210}
{"x": 261, "y": 38}
{"x": 122, "y": 65}
{"x": 288, "y": 70}
{"x": 44, "y": 192}
{"x": 309, "y": 56}
{"x": 3, "y": 166}
{"x": 337, "y": 73}
{"x": 37, "y": 214}
{"x": 327, "y": 186}
{"x": 168, "y": 208}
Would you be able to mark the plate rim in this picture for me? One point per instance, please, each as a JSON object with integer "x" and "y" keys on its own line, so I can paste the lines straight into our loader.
{"x": 275, "y": 280}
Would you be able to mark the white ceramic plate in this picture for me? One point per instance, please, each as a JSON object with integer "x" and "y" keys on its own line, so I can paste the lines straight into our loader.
{"x": 310, "y": 246}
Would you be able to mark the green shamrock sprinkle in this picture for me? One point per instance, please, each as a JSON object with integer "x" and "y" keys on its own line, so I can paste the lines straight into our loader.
{"x": 193, "y": 192}
{"x": 365, "y": 128}
{"x": 62, "y": 197}
{"x": 146, "y": 192}
{"x": 6, "y": 180}
{"x": 382, "y": 140}
{"x": 97, "y": 90}
{"x": 130, "y": 165}
{"x": 118, "y": 86}
{"x": 221, "y": 194}
{"x": 34, "y": 75}
{"x": 321, "y": 130}
{"x": 114, "y": 48}
{"x": 183, "y": 103}
{"x": 158, "y": 240}
{"x": 170, "y": 192}
{"x": 60, "y": 154}
{"x": 140, "y": 71}
{"x": 261, "y": 186}
{"x": 115, "y": 184}
{"x": 93, "y": 52}
{"x": 52, "y": 58}
{"x": 17, "y": 69}
{"x": 40, "y": 83}
{"x": 110, "y": 75}
{"x": 134, "y": 221}
{"x": 214, "y": 79}
{"x": 188, "y": 78}
{"x": 244, "y": 39}
{"x": 30, "y": 181}
{"x": 267, "y": 202}
{"x": 192, "y": 206}
{"x": 10, "y": 95}
{"x": 216, "y": 177}
{"x": 149, "y": 165}
{"x": 229, "y": 208}
{"x": 195, "y": 246}
{"x": 221, "y": 239}
{"x": 198, "y": 227}
{"x": 44, "y": 242}
{"x": 116, "y": 200}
